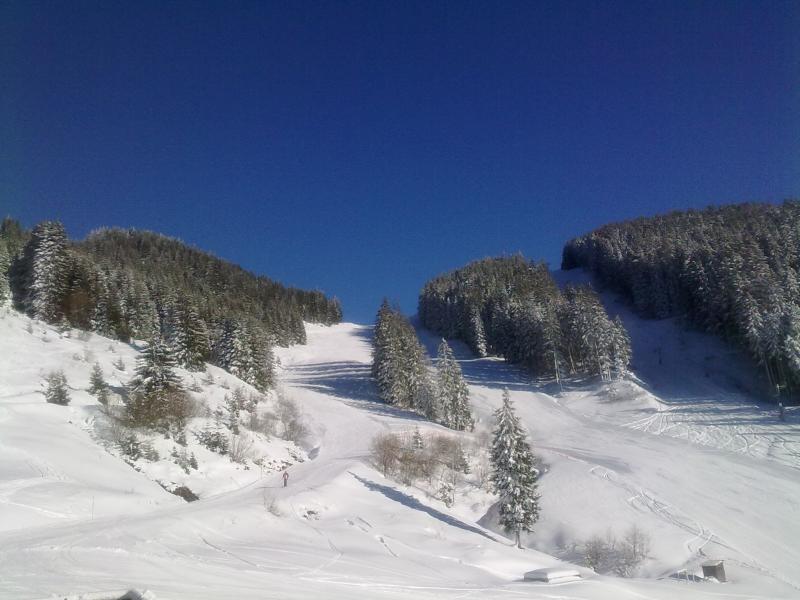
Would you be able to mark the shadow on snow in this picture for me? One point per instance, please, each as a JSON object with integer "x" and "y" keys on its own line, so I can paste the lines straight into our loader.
{"x": 411, "y": 502}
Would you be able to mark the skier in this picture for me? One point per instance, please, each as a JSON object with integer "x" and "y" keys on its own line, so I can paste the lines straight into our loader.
{"x": 285, "y": 478}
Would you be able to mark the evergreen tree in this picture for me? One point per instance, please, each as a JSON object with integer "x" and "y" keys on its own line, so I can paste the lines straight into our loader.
{"x": 453, "y": 393}
{"x": 57, "y": 391}
{"x": 155, "y": 387}
{"x": 245, "y": 351}
{"x": 262, "y": 372}
{"x": 190, "y": 338}
{"x": 400, "y": 364}
{"x": 46, "y": 264}
{"x": 5, "y": 264}
{"x": 513, "y": 473}
{"x": 97, "y": 382}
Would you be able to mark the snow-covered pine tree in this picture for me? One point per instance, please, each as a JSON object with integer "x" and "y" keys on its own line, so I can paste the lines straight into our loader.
{"x": 400, "y": 364}
{"x": 5, "y": 263}
{"x": 453, "y": 392}
{"x": 262, "y": 371}
{"x": 190, "y": 338}
{"x": 477, "y": 335}
{"x": 97, "y": 381}
{"x": 57, "y": 391}
{"x": 154, "y": 386}
{"x": 513, "y": 472}
{"x": 233, "y": 352}
{"x": 620, "y": 348}
{"x": 101, "y": 320}
{"x": 47, "y": 279}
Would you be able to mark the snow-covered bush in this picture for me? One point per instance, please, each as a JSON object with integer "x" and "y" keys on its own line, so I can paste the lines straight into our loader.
{"x": 609, "y": 555}
{"x": 213, "y": 440}
{"x": 57, "y": 392}
{"x": 241, "y": 448}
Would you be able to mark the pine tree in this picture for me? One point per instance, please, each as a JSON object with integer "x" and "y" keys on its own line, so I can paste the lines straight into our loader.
{"x": 453, "y": 392}
{"x": 400, "y": 364}
{"x": 97, "y": 384}
{"x": 155, "y": 386}
{"x": 477, "y": 335}
{"x": 5, "y": 264}
{"x": 262, "y": 371}
{"x": 47, "y": 260}
{"x": 57, "y": 391}
{"x": 246, "y": 352}
{"x": 190, "y": 338}
{"x": 513, "y": 473}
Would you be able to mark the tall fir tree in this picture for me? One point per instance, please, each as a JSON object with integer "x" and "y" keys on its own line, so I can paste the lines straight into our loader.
{"x": 513, "y": 473}
{"x": 190, "y": 338}
{"x": 452, "y": 390}
{"x": 57, "y": 391}
{"x": 400, "y": 364}
{"x": 151, "y": 391}
{"x": 46, "y": 264}
{"x": 5, "y": 264}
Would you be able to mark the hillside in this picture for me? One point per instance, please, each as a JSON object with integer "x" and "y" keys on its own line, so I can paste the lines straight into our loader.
{"x": 729, "y": 270}
{"x": 341, "y": 530}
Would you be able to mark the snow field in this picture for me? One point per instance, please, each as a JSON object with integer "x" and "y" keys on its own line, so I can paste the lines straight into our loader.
{"x": 341, "y": 530}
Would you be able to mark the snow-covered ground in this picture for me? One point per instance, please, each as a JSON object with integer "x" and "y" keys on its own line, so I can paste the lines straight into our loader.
{"x": 76, "y": 519}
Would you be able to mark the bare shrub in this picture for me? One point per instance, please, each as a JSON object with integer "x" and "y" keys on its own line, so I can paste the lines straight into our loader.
{"x": 609, "y": 555}
{"x": 385, "y": 451}
{"x": 294, "y": 428}
{"x": 240, "y": 448}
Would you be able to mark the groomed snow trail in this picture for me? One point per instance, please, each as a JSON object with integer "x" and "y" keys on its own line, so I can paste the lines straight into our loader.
{"x": 340, "y": 530}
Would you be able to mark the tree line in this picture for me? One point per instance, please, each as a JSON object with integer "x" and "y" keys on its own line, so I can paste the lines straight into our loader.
{"x": 512, "y": 307}
{"x": 128, "y": 284}
{"x": 402, "y": 370}
{"x": 730, "y": 270}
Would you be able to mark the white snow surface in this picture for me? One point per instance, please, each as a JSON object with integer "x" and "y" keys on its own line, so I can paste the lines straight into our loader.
{"x": 697, "y": 463}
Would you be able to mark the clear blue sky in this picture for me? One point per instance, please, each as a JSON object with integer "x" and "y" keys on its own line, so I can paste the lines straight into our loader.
{"x": 362, "y": 147}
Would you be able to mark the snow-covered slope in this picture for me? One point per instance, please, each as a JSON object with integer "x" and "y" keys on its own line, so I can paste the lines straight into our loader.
{"x": 341, "y": 530}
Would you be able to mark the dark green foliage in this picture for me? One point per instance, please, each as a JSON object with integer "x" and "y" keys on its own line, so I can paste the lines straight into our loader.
{"x": 96, "y": 380}
{"x": 512, "y": 308}
{"x": 155, "y": 395}
{"x": 185, "y": 493}
{"x": 14, "y": 236}
{"x": 39, "y": 276}
{"x": 216, "y": 287}
{"x": 731, "y": 270}
{"x": 57, "y": 391}
{"x": 97, "y": 384}
{"x": 213, "y": 439}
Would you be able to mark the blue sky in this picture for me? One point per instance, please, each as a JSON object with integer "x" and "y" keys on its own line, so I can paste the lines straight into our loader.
{"x": 362, "y": 147}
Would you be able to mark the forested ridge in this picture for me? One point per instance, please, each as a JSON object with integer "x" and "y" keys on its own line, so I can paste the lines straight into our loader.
{"x": 513, "y": 308}
{"x": 129, "y": 284}
{"x": 730, "y": 270}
